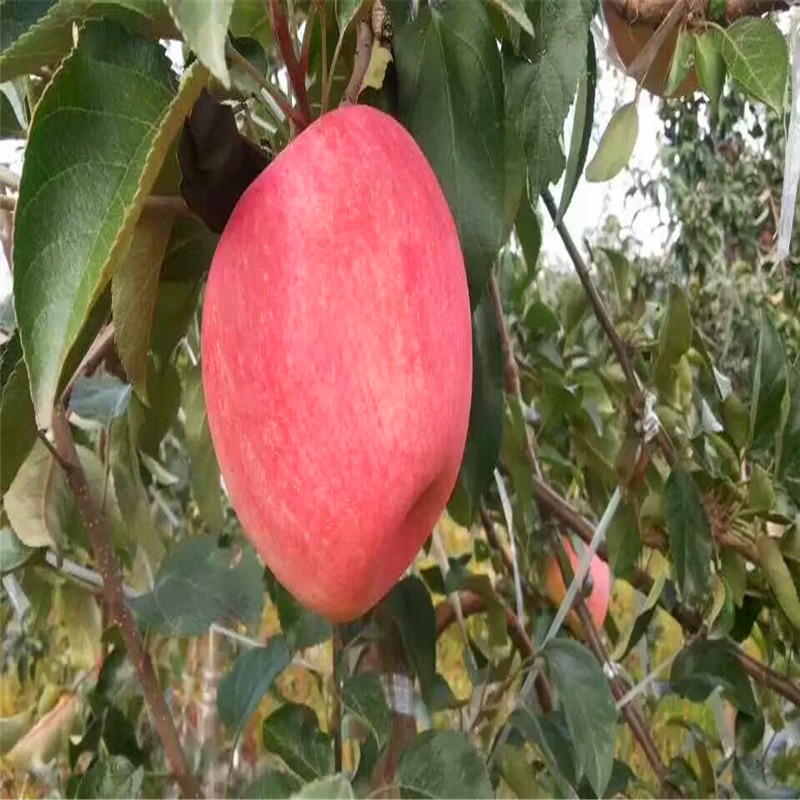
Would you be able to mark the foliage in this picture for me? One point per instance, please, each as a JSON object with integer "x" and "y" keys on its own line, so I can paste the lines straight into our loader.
{"x": 432, "y": 694}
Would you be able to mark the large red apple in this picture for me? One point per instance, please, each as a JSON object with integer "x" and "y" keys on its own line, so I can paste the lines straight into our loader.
{"x": 337, "y": 359}
{"x": 599, "y": 597}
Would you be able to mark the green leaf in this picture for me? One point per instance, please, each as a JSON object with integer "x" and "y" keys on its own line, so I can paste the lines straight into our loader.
{"x": 689, "y": 535}
{"x": 760, "y": 491}
{"x": 674, "y": 337}
{"x": 485, "y": 432}
{"x": 13, "y": 110}
{"x": 779, "y": 578}
{"x": 200, "y": 583}
{"x": 303, "y": 628}
{"x": 409, "y": 602}
{"x": 292, "y": 732}
{"x": 13, "y": 553}
{"x": 100, "y": 399}
{"x": 205, "y": 29}
{"x": 364, "y": 698}
{"x": 706, "y": 665}
{"x": 588, "y": 706}
{"x": 442, "y": 764}
{"x": 769, "y": 386}
{"x": 253, "y": 673}
{"x": 581, "y": 130}
{"x": 346, "y": 12}
{"x": 60, "y": 270}
{"x": 111, "y": 777}
{"x": 203, "y": 468}
{"x": 83, "y": 626}
{"x": 682, "y": 62}
{"x": 164, "y": 387}
{"x": 749, "y": 781}
{"x": 757, "y": 57}
{"x": 272, "y": 785}
{"x": 530, "y": 726}
{"x": 529, "y": 233}
{"x": 616, "y": 145}
{"x": 789, "y": 461}
{"x": 710, "y": 66}
{"x": 134, "y": 289}
{"x": 38, "y": 502}
{"x": 337, "y": 787}
{"x": 17, "y": 421}
{"x": 451, "y": 100}
{"x": 515, "y": 10}
{"x": 540, "y": 87}
{"x": 737, "y": 420}
{"x": 622, "y": 541}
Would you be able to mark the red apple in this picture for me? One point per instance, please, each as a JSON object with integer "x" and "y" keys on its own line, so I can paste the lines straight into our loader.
{"x": 337, "y": 359}
{"x": 599, "y": 597}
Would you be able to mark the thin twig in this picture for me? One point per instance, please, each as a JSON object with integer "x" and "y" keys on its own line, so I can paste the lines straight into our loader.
{"x": 336, "y": 712}
{"x": 118, "y": 609}
{"x": 652, "y": 12}
{"x": 605, "y": 321}
{"x": 273, "y": 91}
{"x": 767, "y": 676}
{"x": 297, "y": 77}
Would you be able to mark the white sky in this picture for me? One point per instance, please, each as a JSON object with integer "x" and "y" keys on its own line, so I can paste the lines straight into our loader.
{"x": 591, "y": 203}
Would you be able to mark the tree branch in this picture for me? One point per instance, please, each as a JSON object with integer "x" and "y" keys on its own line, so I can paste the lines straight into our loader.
{"x": 297, "y": 76}
{"x": 653, "y": 12}
{"x": 472, "y": 603}
{"x": 604, "y": 319}
{"x": 364, "y": 39}
{"x": 276, "y": 94}
{"x": 632, "y": 717}
{"x": 118, "y": 610}
{"x": 767, "y": 676}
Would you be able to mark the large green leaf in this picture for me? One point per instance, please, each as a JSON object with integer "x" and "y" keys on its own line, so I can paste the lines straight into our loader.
{"x": 60, "y": 270}
{"x": 13, "y": 553}
{"x": 485, "y": 431}
{"x": 451, "y": 100}
{"x": 769, "y": 386}
{"x": 779, "y": 578}
{"x": 674, "y": 337}
{"x": 749, "y": 781}
{"x": 588, "y": 706}
{"x": 111, "y": 777}
{"x": 337, "y": 787}
{"x": 134, "y": 289}
{"x": 199, "y": 583}
{"x": 363, "y": 697}
{"x": 35, "y": 33}
{"x": 205, "y": 29}
{"x": 292, "y": 732}
{"x": 756, "y": 55}
{"x": 253, "y": 673}
{"x": 540, "y": 87}
{"x": 442, "y": 764}
{"x": 710, "y": 65}
{"x": 203, "y": 467}
{"x": 789, "y": 463}
{"x": 706, "y": 665}
{"x": 581, "y": 130}
{"x": 410, "y": 604}
{"x": 272, "y": 785}
{"x": 689, "y": 535}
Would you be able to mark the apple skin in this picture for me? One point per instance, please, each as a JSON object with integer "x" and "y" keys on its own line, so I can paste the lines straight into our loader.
{"x": 630, "y": 39}
{"x": 337, "y": 359}
{"x": 598, "y": 599}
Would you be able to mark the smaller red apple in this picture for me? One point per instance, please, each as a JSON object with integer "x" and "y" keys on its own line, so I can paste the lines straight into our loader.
{"x": 599, "y": 597}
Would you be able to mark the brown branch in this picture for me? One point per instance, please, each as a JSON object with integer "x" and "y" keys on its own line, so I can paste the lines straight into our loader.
{"x": 297, "y": 77}
{"x": 118, "y": 610}
{"x": 767, "y": 676}
{"x": 472, "y": 603}
{"x": 603, "y": 317}
{"x": 364, "y": 39}
{"x": 632, "y": 717}
{"x": 653, "y": 12}
{"x": 336, "y": 712}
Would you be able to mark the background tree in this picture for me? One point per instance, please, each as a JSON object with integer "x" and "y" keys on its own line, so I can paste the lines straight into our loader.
{"x": 643, "y": 408}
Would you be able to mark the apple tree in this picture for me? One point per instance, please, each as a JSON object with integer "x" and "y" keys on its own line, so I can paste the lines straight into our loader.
{"x": 603, "y": 597}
